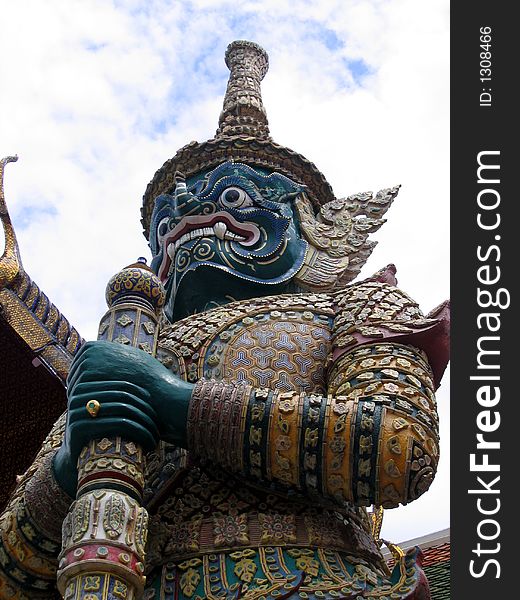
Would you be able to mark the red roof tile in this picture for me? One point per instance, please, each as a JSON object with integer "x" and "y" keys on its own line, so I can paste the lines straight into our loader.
{"x": 436, "y": 554}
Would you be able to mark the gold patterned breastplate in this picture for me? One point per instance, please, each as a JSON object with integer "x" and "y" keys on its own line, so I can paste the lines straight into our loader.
{"x": 277, "y": 342}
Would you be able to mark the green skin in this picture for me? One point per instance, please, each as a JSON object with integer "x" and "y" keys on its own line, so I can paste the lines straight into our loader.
{"x": 138, "y": 396}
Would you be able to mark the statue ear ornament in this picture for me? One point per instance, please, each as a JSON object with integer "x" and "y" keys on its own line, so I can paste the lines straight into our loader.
{"x": 338, "y": 236}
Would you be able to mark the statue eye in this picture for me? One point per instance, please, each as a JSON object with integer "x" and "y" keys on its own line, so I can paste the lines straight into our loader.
{"x": 162, "y": 228}
{"x": 234, "y": 197}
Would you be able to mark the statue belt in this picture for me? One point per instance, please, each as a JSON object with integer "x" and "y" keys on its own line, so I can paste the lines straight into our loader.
{"x": 227, "y": 533}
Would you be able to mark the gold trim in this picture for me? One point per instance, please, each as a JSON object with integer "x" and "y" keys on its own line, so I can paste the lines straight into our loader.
{"x": 10, "y": 262}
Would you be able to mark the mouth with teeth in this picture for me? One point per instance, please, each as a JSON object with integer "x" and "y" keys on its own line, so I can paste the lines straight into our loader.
{"x": 221, "y": 225}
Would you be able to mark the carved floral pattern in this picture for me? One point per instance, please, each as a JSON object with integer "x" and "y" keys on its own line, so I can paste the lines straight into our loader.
{"x": 184, "y": 537}
{"x": 230, "y": 530}
{"x": 277, "y": 528}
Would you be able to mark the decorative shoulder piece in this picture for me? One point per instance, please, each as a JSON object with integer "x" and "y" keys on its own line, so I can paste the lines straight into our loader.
{"x": 376, "y": 310}
{"x": 338, "y": 236}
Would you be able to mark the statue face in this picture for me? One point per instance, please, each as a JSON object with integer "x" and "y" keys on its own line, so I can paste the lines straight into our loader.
{"x": 234, "y": 224}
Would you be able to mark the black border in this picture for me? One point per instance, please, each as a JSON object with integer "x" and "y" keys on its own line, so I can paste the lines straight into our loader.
{"x": 476, "y": 128}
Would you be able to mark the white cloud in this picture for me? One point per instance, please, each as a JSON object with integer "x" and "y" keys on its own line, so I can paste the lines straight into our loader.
{"x": 97, "y": 95}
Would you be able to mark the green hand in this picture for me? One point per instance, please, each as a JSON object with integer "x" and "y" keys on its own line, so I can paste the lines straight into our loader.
{"x": 140, "y": 400}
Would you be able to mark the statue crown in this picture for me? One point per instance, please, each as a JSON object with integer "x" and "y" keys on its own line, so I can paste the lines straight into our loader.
{"x": 243, "y": 111}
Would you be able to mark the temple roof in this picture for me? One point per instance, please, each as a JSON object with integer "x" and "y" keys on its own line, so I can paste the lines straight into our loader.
{"x": 37, "y": 345}
{"x": 436, "y": 558}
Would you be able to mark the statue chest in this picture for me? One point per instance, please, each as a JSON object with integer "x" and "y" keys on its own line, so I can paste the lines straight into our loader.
{"x": 280, "y": 342}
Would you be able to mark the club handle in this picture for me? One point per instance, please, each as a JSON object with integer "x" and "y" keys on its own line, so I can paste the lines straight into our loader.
{"x": 104, "y": 533}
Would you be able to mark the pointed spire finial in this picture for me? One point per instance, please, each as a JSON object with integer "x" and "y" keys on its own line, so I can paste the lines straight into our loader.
{"x": 243, "y": 113}
{"x": 10, "y": 262}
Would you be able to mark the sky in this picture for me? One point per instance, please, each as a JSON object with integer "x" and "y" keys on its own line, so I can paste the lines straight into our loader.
{"x": 98, "y": 94}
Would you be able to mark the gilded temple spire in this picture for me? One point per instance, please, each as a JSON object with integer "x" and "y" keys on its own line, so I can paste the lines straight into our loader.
{"x": 243, "y": 112}
{"x": 10, "y": 262}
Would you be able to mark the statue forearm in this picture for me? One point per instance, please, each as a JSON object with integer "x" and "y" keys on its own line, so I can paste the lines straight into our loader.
{"x": 359, "y": 444}
{"x": 30, "y": 528}
{"x": 391, "y": 432}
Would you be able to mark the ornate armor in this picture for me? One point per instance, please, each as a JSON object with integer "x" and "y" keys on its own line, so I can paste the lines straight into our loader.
{"x": 312, "y": 397}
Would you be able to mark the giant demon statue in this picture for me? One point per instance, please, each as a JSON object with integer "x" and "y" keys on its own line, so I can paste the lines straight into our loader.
{"x": 282, "y": 400}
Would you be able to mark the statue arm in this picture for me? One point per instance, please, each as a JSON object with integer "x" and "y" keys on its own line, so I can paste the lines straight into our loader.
{"x": 30, "y": 528}
{"x": 382, "y": 435}
{"x": 373, "y": 448}
{"x": 373, "y": 439}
